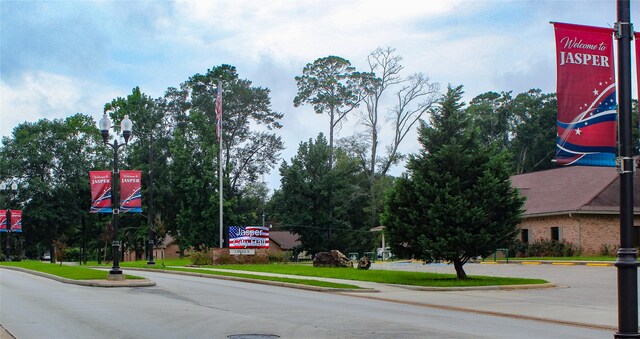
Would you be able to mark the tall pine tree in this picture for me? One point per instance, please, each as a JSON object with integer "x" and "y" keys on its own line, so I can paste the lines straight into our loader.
{"x": 456, "y": 202}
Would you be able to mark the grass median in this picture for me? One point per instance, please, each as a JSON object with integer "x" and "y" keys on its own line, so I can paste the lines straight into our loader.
{"x": 180, "y": 265}
{"x": 64, "y": 271}
{"x": 381, "y": 276}
{"x": 594, "y": 258}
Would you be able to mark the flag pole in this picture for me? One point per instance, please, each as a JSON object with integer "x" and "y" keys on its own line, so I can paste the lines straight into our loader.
{"x": 220, "y": 188}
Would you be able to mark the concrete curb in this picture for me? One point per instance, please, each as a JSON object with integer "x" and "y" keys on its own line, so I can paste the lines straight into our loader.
{"x": 263, "y": 282}
{"x": 550, "y": 262}
{"x": 477, "y": 288}
{"x": 491, "y": 313}
{"x": 92, "y": 283}
{"x": 4, "y": 334}
{"x": 361, "y": 290}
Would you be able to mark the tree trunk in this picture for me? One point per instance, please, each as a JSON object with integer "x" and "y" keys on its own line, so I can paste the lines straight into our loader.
{"x": 372, "y": 173}
{"x": 457, "y": 264}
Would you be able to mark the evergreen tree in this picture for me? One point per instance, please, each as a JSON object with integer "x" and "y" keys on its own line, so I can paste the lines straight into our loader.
{"x": 302, "y": 205}
{"x": 456, "y": 202}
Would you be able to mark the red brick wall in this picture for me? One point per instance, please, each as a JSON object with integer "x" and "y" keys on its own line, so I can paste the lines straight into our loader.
{"x": 587, "y": 231}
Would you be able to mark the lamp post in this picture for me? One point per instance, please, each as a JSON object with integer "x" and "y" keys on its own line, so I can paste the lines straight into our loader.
{"x": 627, "y": 262}
{"x": 150, "y": 212}
{"x": 126, "y": 125}
{"x": 13, "y": 188}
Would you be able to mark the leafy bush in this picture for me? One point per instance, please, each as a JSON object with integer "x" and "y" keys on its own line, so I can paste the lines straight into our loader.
{"x": 201, "y": 258}
{"x": 280, "y": 257}
{"x": 609, "y": 250}
{"x": 517, "y": 248}
{"x": 73, "y": 254}
{"x": 224, "y": 259}
{"x": 550, "y": 248}
{"x": 60, "y": 247}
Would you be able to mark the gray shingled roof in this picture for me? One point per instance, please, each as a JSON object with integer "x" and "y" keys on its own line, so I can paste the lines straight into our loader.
{"x": 573, "y": 189}
{"x": 285, "y": 239}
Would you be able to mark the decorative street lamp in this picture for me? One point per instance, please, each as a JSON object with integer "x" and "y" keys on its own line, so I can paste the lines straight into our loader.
{"x": 13, "y": 188}
{"x": 126, "y": 125}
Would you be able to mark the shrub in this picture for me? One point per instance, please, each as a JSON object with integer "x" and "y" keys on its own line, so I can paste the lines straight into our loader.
{"x": 60, "y": 248}
{"x": 609, "y": 250}
{"x": 517, "y": 248}
{"x": 280, "y": 257}
{"x": 550, "y": 248}
{"x": 201, "y": 258}
{"x": 73, "y": 254}
{"x": 224, "y": 259}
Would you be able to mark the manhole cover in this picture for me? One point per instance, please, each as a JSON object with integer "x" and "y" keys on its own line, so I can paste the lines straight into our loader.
{"x": 253, "y": 336}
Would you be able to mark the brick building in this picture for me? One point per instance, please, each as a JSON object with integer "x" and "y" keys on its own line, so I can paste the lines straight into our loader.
{"x": 575, "y": 204}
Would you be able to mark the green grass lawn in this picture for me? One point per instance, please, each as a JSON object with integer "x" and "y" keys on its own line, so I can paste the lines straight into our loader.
{"x": 309, "y": 282}
{"x": 64, "y": 271}
{"x": 383, "y": 276}
{"x": 599, "y": 258}
{"x": 180, "y": 266}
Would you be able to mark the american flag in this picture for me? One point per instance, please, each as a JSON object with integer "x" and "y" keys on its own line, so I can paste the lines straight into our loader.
{"x": 248, "y": 237}
{"x": 219, "y": 113}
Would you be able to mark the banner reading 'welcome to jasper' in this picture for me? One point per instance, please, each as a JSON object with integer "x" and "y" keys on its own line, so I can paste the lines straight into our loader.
{"x": 130, "y": 191}
{"x": 16, "y": 221}
{"x": 100, "y": 191}
{"x": 586, "y": 96}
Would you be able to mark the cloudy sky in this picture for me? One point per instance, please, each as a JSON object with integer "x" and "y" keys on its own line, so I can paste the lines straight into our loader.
{"x": 61, "y": 57}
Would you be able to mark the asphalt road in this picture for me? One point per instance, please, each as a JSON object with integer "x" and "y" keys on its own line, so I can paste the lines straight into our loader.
{"x": 192, "y": 307}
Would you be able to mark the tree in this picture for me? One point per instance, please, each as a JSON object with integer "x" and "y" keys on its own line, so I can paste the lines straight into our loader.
{"x": 534, "y": 142}
{"x": 251, "y": 149}
{"x": 414, "y": 97}
{"x": 457, "y": 201}
{"x": 248, "y": 152}
{"x": 493, "y": 114}
{"x": 146, "y": 151}
{"x": 302, "y": 204}
{"x": 51, "y": 161}
{"x": 333, "y": 87}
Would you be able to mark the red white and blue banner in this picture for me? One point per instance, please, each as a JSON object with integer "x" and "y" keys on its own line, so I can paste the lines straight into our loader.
{"x": 131, "y": 191}
{"x": 637, "y": 36}
{"x": 3, "y": 221}
{"x": 16, "y": 221}
{"x": 100, "y": 191}
{"x": 586, "y": 90}
{"x": 248, "y": 237}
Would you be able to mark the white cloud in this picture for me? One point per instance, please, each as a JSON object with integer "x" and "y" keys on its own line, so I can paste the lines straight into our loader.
{"x": 483, "y": 45}
{"x": 42, "y": 95}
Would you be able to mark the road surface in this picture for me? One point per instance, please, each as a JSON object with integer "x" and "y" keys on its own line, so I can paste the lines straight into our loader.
{"x": 192, "y": 307}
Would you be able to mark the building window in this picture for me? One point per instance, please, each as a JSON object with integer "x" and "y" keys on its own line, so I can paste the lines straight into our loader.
{"x": 555, "y": 233}
{"x": 524, "y": 235}
{"x": 636, "y": 236}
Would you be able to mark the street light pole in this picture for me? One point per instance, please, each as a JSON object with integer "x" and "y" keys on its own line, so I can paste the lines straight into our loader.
{"x": 105, "y": 124}
{"x": 627, "y": 262}
{"x": 13, "y": 188}
{"x": 150, "y": 212}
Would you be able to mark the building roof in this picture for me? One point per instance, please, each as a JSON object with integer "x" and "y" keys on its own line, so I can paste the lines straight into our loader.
{"x": 285, "y": 239}
{"x": 573, "y": 189}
